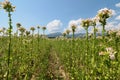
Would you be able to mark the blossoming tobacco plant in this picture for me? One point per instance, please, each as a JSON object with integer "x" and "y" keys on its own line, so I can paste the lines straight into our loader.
{"x": 103, "y": 15}
{"x": 44, "y": 28}
{"x": 73, "y": 27}
{"x": 8, "y": 7}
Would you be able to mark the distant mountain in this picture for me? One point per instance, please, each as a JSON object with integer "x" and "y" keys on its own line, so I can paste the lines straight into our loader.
{"x": 57, "y": 34}
{"x": 78, "y": 35}
{"x": 53, "y": 35}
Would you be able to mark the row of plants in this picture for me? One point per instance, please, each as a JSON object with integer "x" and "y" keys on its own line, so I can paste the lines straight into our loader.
{"x": 27, "y": 56}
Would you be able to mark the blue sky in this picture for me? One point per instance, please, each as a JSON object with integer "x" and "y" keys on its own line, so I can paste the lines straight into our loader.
{"x": 57, "y": 15}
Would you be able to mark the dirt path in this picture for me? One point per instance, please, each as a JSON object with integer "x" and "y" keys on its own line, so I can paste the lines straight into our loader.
{"x": 56, "y": 70}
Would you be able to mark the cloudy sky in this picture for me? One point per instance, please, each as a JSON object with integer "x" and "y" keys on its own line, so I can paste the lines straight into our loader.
{"x": 58, "y": 15}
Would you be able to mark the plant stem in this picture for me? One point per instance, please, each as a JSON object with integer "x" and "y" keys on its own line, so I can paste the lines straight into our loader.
{"x": 32, "y": 43}
{"x": 103, "y": 32}
{"x": 38, "y": 39}
{"x": 9, "y": 48}
{"x": 87, "y": 34}
{"x": 94, "y": 33}
{"x": 73, "y": 35}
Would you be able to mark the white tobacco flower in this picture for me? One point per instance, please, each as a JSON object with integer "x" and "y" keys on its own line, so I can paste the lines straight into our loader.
{"x": 112, "y": 56}
{"x": 73, "y": 27}
{"x": 109, "y": 49}
{"x": 86, "y": 23}
{"x": 7, "y": 6}
{"x": 93, "y": 21}
{"x": 118, "y": 34}
{"x": 1, "y": 30}
{"x": 101, "y": 53}
{"x": 105, "y": 13}
{"x": 111, "y": 53}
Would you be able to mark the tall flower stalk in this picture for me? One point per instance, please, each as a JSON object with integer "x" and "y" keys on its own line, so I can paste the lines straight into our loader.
{"x": 22, "y": 31}
{"x": 38, "y": 27}
{"x": 64, "y": 34}
{"x": 18, "y": 26}
{"x": 32, "y": 29}
{"x": 67, "y": 32}
{"x": 103, "y": 15}
{"x": 85, "y": 23}
{"x": 93, "y": 23}
{"x": 93, "y": 55}
{"x": 73, "y": 27}
{"x": 44, "y": 28}
{"x": 7, "y": 6}
{"x": 4, "y": 29}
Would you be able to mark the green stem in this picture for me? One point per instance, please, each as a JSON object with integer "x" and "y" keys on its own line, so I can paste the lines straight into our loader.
{"x": 94, "y": 40}
{"x": 73, "y": 35}
{"x": 86, "y": 54}
{"x": 38, "y": 39}
{"x": 116, "y": 46}
{"x": 94, "y": 33}
{"x": 17, "y": 33}
{"x": 43, "y": 32}
{"x": 103, "y": 32}
{"x": 9, "y": 48}
{"x": 32, "y": 42}
{"x": 87, "y": 34}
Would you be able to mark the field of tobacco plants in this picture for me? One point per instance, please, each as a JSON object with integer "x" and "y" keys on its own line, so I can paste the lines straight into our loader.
{"x": 28, "y": 56}
{"x": 34, "y": 58}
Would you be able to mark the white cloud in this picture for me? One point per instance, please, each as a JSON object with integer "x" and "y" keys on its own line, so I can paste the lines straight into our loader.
{"x": 113, "y": 12}
{"x": 54, "y": 26}
{"x": 110, "y": 26}
{"x": 118, "y": 17}
{"x": 114, "y": 25}
{"x": 77, "y": 22}
{"x": 117, "y": 5}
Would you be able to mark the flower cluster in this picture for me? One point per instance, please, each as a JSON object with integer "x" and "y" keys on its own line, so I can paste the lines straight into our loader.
{"x": 67, "y": 31}
{"x": 114, "y": 33}
{"x": 1, "y": 30}
{"x": 22, "y": 29}
{"x": 7, "y": 6}
{"x": 86, "y": 23}
{"x": 109, "y": 51}
{"x": 27, "y": 33}
{"x": 38, "y": 27}
{"x": 118, "y": 34}
{"x": 73, "y": 27}
{"x": 93, "y": 21}
{"x": 64, "y": 34}
{"x": 18, "y": 25}
{"x": 44, "y": 28}
{"x": 103, "y": 14}
{"x": 32, "y": 28}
